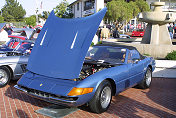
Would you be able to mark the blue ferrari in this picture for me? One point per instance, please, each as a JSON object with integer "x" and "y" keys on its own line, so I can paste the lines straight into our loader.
{"x": 64, "y": 70}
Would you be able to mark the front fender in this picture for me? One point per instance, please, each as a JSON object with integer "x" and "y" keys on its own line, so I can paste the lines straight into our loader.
{"x": 117, "y": 74}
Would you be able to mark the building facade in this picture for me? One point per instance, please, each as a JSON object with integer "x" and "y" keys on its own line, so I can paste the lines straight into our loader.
{"x": 82, "y": 8}
{"x": 170, "y": 5}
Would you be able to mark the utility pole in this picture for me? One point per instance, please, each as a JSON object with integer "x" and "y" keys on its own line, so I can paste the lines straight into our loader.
{"x": 37, "y": 16}
{"x": 36, "y": 11}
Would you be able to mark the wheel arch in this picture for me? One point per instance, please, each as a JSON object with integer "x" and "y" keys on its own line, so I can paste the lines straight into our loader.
{"x": 113, "y": 85}
{"x": 10, "y": 70}
{"x": 150, "y": 66}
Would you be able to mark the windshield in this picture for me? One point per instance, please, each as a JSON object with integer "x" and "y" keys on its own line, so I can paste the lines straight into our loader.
{"x": 106, "y": 54}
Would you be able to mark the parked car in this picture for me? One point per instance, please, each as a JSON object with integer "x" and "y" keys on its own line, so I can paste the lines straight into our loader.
{"x": 59, "y": 71}
{"x": 138, "y": 32}
{"x": 18, "y": 39}
{"x": 25, "y": 32}
{"x": 116, "y": 34}
{"x": 124, "y": 36}
{"x": 14, "y": 61}
{"x": 16, "y": 45}
{"x": 12, "y": 68}
{"x": 107, "y": 71}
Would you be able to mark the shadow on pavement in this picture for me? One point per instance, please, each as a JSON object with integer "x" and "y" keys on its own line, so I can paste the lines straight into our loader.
{"x": 125, "y": 107}
{"x": 163, "y": 92}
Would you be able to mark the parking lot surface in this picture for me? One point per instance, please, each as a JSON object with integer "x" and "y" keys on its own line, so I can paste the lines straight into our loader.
{"x": 157, "y": 102}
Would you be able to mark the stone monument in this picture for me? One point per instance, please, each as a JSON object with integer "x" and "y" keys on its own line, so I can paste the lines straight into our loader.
{"x": 156, "y": 32}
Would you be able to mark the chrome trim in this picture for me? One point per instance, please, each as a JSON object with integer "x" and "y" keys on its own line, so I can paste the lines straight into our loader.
{"x": 20, "y": 89}
{"x": 19, "y": 74}
{"x": 47, "y": 99}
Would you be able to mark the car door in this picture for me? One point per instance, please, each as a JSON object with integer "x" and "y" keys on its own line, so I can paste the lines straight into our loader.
{"x": 136, "y": 69}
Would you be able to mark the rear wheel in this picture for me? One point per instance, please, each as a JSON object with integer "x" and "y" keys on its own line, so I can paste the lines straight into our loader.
{"x": 102, "y": 98}
{"x": 4, "y": 76}
{"x": 146, "y": 82}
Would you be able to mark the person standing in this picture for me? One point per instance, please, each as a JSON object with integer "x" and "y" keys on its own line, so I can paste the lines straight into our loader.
{"x": 105, "y": 33}
{"x": 98, "y": 33}
{"x": 8, "y": 29}
{"x": 116, "y": 33}
{"x": 171, "y": 30}
{"x": 3, "y": 34}
{"x": 128, "y": 27}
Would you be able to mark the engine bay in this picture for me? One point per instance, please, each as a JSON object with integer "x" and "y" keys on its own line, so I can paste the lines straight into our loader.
{"x": 91, "y": 68}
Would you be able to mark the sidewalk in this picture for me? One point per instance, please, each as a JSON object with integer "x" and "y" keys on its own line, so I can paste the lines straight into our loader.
{"x": 165, "y": 68}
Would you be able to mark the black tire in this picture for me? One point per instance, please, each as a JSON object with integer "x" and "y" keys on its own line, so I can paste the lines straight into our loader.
{"x": 4, "y": 76}
{"x": 102, "y": 98}
{"x": 146, "y": 82}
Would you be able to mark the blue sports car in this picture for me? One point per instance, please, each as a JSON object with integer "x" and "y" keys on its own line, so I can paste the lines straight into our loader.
{"x": 107, "y": 71}
{"x": 59, "y": 71}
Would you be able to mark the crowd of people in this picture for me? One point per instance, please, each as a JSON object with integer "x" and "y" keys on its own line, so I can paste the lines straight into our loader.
{"x": 104, "y": 32}
{"x": 108, "y": 31}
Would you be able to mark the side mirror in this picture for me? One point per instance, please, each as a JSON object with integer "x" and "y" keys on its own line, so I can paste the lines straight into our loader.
{"x": 135, "y": 60}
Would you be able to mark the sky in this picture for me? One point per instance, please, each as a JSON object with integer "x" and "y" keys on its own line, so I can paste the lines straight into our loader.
{"x": 31, "y": 5}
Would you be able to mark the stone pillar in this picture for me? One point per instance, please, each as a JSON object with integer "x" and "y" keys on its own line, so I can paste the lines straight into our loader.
{"x": 156, "y": 34}
{"x": 157, "y": 31}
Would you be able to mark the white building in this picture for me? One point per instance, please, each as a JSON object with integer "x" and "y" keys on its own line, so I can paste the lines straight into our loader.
{"x": 82, "y": 8}
{"x": 170, "y": 5}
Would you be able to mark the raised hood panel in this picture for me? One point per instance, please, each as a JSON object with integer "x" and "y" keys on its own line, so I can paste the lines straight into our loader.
{"x": 62, "y": 44}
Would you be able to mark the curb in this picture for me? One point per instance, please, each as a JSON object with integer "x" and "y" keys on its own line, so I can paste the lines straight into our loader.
{"x": 165, "y": 69}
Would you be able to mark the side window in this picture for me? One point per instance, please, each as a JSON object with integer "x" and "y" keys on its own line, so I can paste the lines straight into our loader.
{"x": 129, "y": 57}
{"x": 133, "y": 54}
{"x": 77, "y": 6}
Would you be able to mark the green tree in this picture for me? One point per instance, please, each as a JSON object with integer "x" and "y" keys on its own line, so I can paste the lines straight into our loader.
{"x": 44, "y": 15}
{"x": 13, "y": 11}
{"x": 63, "y": 11}
{"x": 117, "y": 10}
{"x": 1, "y": 19}
{"x": 30, "y": 20}
{"x": 142, "y": 5}
{"x": 134, "y": 8}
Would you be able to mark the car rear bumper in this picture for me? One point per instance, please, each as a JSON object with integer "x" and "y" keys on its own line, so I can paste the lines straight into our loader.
{"x": 48, "y": 98}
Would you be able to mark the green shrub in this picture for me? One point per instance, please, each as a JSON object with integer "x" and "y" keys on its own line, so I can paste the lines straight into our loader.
{"x": 92, "y": 44}
{"x": 171, "y": 56}
{"x": 100, "y": 42}
{"x": 146, "y": 54}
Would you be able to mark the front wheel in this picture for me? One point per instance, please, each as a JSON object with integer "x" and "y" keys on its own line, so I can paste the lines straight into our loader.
{"x": 102, "y": 98}
{"x": 4, "y": 76}
{"x": 146, "y": 82}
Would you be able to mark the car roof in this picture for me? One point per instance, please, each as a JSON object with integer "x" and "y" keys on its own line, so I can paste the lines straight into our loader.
{"x": 29, "y": 32}
{"x": 119, "y": 46}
